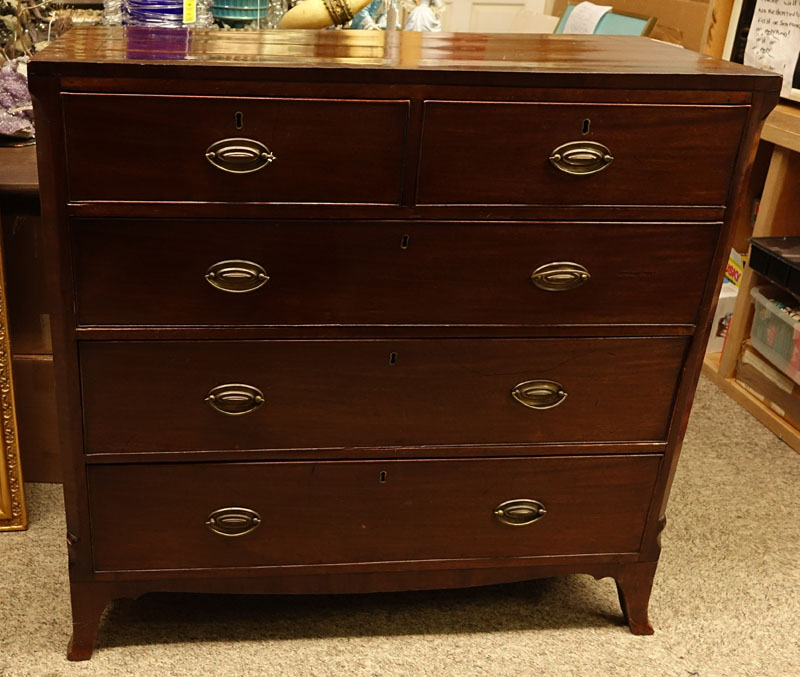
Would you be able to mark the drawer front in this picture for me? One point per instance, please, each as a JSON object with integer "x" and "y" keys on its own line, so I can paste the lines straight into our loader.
{"x": 662, "y": 155}
{"x": 306, "y": 513}
{"x": 155, "y": 148}
{"x": 167, "y": 396}
{"x": 132, "y": 272}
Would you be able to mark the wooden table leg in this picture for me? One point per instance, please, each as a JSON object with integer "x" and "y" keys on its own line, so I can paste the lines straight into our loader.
{"x": 634, "y": 584}
{"x": 89, "y": 600}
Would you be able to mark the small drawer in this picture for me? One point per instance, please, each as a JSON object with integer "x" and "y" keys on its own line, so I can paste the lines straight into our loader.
{"x": 226, "y": 149}
{"x": 179, "y": 272}
{"x": 578, "y": 154}
{"x": 304, "y": 395}
{"x": 187, "y": 516}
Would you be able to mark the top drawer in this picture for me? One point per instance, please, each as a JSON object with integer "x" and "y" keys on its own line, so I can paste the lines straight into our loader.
{"x": 158, "y": 148}
{"x": 602, "y": 154}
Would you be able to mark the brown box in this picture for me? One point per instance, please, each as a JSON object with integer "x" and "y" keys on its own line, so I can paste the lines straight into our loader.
{"x": 773, "y": 388}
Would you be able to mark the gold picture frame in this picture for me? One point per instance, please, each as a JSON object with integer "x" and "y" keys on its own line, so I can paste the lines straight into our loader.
{"x": 13, "y": 515}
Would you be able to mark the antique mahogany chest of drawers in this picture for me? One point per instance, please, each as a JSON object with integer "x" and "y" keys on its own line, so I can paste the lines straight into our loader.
{"x": 348, "y": 312}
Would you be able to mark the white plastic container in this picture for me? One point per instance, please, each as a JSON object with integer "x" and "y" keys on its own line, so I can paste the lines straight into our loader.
{"x": 775, "y": 333}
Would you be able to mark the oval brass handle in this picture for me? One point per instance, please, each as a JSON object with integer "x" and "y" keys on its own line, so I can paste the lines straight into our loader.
{"x": 235, "y": 399}
{"x": 560, "y": 276}
{"x": 520, "y": 512}
{"x": 236, "y": 276}
{"x": 239, "y": 156}
{"x": 581, "y": 157}
{"x": 233, "y": 521}
{"x": 539, "y": 394}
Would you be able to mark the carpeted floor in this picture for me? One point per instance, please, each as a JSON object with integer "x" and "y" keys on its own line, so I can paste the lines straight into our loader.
{"x": 726, "y": 599}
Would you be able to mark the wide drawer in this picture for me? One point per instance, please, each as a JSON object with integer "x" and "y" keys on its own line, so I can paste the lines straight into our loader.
{"x": 189, "y": 516}
{"x": 578, "y": 154}
{"x": 131, "y": 272}
{"x": 158, "y": 148}
{"x": 235, "y": 395}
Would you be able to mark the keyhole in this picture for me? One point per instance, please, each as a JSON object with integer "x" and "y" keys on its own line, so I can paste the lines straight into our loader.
{"x": 393, "y": 359}
{"x": 587, "y": 124}
{"x": 404, "y": 242}
{"x": 239, "y": 120}
{"x": 382, "y": 477}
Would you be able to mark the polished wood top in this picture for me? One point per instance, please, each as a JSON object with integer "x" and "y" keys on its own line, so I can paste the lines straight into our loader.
{"x": 18, "y": 172}
{"x": 783, "y": 126}
{"x": 377, "y": 56}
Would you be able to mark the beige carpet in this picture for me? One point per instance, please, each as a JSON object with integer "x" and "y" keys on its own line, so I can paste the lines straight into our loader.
{"x": 726, "y": 599}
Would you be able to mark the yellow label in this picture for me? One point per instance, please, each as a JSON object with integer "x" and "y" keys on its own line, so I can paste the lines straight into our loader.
{"x": 735, "y": 268}
{"x": 189, "y": 11}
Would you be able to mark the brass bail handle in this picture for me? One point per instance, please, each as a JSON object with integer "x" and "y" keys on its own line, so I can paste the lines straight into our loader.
{"x": 236, "y": 276}
{"x": 581, "y": 157}
{"x": 520, "y": 512}
{"x": 235, "y": 399}
{"x": 539, "y": 394}
{"x": 233, "y": 521}
{"x": 560, "y": 276}
{"x": 239, "y": 155}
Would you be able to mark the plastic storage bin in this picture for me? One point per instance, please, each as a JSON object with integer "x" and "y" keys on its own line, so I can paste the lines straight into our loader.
{"x": 775, "y": 333}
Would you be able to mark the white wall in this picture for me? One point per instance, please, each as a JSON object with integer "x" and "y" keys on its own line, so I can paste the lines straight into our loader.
{"x": 488, "y": 16}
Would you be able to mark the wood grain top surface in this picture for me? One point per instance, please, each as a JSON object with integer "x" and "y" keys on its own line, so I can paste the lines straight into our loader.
{"x": 538, "y": 60}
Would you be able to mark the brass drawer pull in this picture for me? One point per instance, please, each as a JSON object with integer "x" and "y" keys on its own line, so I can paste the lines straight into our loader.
{"x": 239, "y": 156}
{"x": 520, "y": 512}
{"x": 539, "y": 394}
{"x": 560, "y": 276}
{"x": 236, "y": 276}
{"x": 235, "y": 399}
{"x": 233, "y": 521}
{"x": 581, "y": 157}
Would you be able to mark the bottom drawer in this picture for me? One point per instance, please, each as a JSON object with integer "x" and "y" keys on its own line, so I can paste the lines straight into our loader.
{"x": 307, "y": 513}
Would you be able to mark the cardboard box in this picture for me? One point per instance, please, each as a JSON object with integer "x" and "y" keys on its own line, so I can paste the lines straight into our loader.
{"x": 684, "y": 22}
{"x": 768, "y": 384}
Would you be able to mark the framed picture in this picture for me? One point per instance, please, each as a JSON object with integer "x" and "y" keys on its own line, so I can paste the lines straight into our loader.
{"x": 13, "y": 515}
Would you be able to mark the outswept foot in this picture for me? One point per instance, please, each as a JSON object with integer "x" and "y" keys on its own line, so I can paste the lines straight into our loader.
{"x": 634, "y": 584}
{"x": 88, "y": 603}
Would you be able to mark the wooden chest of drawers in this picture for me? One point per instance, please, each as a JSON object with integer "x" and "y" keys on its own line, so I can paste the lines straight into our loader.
{"x": 355, "y": 312}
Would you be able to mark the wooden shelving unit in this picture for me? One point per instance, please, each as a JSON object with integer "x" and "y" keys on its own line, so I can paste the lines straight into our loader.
{"x": 778, "y": 215}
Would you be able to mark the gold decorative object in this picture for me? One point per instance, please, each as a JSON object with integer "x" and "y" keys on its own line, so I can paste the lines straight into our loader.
{"x": 339, "y": 11}
{"x": 322, "y": 13}
{"x": 13, "y": 515}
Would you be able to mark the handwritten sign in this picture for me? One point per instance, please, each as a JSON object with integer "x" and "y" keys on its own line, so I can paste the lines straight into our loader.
{"x": 774, "y": 39}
